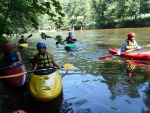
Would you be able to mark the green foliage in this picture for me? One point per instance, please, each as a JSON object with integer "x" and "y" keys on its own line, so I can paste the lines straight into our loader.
{"x": 24, "y": 14}
{"x": 77, "y": 12}
{"x": 59, "y": 39}
{"x": 44, "y": 36}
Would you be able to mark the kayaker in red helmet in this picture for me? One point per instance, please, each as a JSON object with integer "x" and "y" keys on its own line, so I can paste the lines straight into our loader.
{"x": 11, "y": 57}
{"x": 43, "y": 59}
{"x": 129, "y": 44}
{"x": 70, "y": 38}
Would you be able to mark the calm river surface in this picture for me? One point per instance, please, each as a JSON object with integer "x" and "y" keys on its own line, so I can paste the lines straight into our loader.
{"x": 93, "y": 85}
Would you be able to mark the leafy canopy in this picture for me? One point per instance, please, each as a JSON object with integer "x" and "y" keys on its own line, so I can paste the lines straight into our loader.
{"x": 23, "y": 14}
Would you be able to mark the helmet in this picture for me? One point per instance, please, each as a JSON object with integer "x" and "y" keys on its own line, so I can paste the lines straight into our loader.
{"x": 22, "y": 36}
{"x": 8, "y": 47}
{"x": 130, "y": 35}
{"x": 41, "y": 44}
{"x": 70, "y": 33}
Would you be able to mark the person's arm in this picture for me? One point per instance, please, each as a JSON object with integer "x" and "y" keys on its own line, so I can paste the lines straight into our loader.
{"x": 19, "y": 41}
{"x": 1, "y": 55}
{"x": 53, "y": 61}
{"x": 121, "y": 49}
{"x": 34, "y": 62}
{"x": 19, "y": 59}
{"x": 25, "y": 41}
{"x": 66, "y": 39}
{"x": 137, "y": 46}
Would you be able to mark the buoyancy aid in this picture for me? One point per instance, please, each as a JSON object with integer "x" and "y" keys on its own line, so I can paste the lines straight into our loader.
{"x": 44, "y": 61}
{"x": 10, "y": 58}
{"x": 130, "y": 45}
{"x": 69, "y": 40}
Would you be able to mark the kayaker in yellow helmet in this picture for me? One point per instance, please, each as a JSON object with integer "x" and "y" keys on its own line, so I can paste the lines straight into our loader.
{"x": 43, "y": 59}
{"x": 70, "y": 38}
{"x": 11, "y": 57}
{"x": 129, "y": 44}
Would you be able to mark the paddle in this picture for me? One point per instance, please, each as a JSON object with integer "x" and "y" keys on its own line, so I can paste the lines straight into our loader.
{"x": 28, "y": 37}
{"x": 66, "y": 66}
{"x": 111, "y": 55}
{"x": 17, "y": 65}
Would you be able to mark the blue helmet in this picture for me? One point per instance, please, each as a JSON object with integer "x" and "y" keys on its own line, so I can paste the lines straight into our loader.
{"x": 41, "y": 44}
{"x": 70, "y": 33}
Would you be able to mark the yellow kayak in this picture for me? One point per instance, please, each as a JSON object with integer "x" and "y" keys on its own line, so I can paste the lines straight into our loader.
{"x": 45, "y": 87}
{"x": 23, "y": 45}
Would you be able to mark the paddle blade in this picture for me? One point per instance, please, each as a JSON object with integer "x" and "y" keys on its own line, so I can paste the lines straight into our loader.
{"x": 29, "y": 36}
{"x": 68, "y": 66}
{"x": 106, "y": 57}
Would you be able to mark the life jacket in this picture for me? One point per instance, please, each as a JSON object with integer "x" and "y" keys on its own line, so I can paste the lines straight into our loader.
{"x": 22, "y": 41}
{"x": 130, "y": 45}
{"x": 10, "y": 58}
{"x": 44, "y": 61}
{"x": 69, "y": 40}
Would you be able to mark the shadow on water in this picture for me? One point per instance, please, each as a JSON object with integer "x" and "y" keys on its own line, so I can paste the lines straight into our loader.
{"x": 19, "y": 98}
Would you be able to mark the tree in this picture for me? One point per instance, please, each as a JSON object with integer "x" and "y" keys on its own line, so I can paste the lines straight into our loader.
{"x": 77, "y": 12}
{"x": 22, "y": 14}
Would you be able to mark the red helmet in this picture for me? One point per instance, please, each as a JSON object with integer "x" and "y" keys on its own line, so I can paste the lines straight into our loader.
{"x": 8, "y": 47}
{"x": 130, "y": 35}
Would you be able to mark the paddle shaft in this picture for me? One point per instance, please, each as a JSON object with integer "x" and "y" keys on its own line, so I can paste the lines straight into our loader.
{"x": 111, "y": 55}
{"x": 28, "y": 37}
{"x": 17, "y": 65}
{"x": 137, "y": 49}
{"x": 20, "y": 74}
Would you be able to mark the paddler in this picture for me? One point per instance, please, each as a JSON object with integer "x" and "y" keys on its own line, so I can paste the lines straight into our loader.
{"x": 10, "y": 57}
{"x": 129, "y": 44}
{"x": 70, "y": 38}
{"x": 22, "y": 40}
{"x": 43, "y": 59}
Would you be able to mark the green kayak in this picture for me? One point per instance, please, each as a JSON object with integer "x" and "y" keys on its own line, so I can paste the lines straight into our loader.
{"x": 70, "y": 46}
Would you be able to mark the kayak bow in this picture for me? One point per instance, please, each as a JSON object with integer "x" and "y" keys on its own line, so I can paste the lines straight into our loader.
{"x": 45, "y": 87}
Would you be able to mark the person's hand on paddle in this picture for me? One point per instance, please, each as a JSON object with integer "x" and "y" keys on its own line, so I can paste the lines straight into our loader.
{"x": 118, "y": 53}
{"x": 138, "y": 47}
{"x": 14, "y": 64}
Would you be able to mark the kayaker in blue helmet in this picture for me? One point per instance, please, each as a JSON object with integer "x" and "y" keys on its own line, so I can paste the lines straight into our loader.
{"x": 43, "y": 59}
{"x": 11, "y": 57}
{"x": 70, "y": 38}
{"x": 129, "y": 44}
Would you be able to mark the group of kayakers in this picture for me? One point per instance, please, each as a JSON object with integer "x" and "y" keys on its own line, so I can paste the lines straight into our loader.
{"x": 42, "y": 59}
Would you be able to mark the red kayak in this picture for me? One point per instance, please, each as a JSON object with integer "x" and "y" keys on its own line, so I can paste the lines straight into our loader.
{"x": 16, "y": 81}
{"x": 138, "y": 63}
{"x": 143, "y": 55}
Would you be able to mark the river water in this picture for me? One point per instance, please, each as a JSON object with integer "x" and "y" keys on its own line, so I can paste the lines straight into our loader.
{"x": 93, "y": 85}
